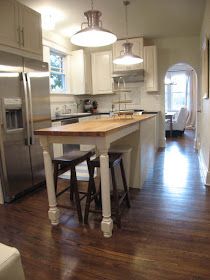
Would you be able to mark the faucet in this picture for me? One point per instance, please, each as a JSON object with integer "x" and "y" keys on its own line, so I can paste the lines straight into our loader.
{"x": 66, "y": 109}
{"x": 57, "y": 112}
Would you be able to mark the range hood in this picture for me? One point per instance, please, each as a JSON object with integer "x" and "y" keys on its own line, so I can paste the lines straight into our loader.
{"x": 129, "y": 76}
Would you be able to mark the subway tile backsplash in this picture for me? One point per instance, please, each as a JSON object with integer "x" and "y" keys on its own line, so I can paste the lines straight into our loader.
{"x": 139, "y": 97}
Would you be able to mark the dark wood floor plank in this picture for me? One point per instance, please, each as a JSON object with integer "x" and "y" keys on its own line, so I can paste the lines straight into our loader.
{"x": 165, "y": 234}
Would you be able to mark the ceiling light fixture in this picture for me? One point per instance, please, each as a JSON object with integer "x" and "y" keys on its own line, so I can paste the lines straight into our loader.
{"x": 93, "y": 35}
{"x": 127, "y": 57}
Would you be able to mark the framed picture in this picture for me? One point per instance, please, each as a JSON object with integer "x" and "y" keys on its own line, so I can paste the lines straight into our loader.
{"x": 205, "y": 68}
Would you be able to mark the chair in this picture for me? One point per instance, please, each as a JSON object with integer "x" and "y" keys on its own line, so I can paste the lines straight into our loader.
{"x": 10, "y": 263}
{"x": 69, "y": 162}
{"x": 115, "y": 159}
{"x": 179, "y": 123}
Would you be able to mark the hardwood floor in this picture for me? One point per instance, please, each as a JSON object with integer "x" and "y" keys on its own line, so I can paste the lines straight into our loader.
{"x": 165, "y": 234}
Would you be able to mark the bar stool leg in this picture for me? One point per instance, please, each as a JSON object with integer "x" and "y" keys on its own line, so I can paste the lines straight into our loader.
{"x": 72, "y": 182}
{"x": 76, "y": 193}
{"x": 88, "y": 200}
{"x": 116, "y": 199}
{"x": 125, "y": 183}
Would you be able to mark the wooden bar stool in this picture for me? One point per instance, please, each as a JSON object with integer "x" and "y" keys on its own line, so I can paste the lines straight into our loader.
{"x": 69, "y": 162}
{"x": 115, "y": 159}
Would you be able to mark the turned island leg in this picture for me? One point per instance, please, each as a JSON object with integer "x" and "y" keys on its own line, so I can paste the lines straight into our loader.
{"x": 53, "y": 212}
{"x": 107, "y": 223}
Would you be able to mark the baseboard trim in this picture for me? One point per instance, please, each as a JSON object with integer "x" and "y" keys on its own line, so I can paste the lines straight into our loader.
{"x": 205, "y": 173}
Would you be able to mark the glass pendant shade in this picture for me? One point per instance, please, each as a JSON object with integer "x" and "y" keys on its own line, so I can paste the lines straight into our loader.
{"x": 127, "y": 57}
{"x": 93, "y": 35}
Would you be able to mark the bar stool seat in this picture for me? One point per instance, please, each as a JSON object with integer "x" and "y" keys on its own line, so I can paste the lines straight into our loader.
{"x": 115, "y": 159}
{"x": 69, "y": 162}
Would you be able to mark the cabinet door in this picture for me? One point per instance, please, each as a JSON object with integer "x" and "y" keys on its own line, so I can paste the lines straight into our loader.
{"x": 31, "y": 32}
{"x": 80, "y": 72}
{"x": 102, "y": 72}
{"x": 150, "y": 67}
{"x": 137, "y": 49}
{"x": 9, "y": 28}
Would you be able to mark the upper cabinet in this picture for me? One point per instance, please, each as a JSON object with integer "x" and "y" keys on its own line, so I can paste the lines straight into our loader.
{"x": 9, "y": 33}
{"x": 20, "y": 29}
{"x": 101, "y": 72}
{"x": 30, "y": 30}
{"x": 150, "y": 68}
{"x": 80, "y": 72}
{"x": 137, "y": 50}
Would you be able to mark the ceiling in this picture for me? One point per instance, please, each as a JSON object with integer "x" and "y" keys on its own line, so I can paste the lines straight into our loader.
{"x": 149, "y": 18}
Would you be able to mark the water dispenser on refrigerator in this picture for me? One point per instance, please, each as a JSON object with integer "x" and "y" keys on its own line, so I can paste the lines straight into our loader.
{"x": 12, "y": 114}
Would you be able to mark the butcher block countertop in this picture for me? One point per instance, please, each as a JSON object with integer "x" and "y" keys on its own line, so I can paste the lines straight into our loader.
{"x": 98, "y": 127}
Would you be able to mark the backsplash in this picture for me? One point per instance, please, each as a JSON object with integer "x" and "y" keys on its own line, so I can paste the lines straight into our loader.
{"x": 62, "y": 104}
{"x": 139, "y": 97}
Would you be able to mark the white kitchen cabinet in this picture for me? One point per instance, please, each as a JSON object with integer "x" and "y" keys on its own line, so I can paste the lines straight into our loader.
{"x": 137, "y": 49}
{"x": 9, "y": 32}
{"x": 30, "y": 29}
{"x": 57, "y": 148}
{"x": 20, "y": 29}
{"x": 150, "y": 68}
{"x": 80, "y": 72}
{"x": 101, "y": 72}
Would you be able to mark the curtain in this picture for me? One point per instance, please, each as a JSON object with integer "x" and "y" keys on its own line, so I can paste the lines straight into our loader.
{"x": 191, "y": 99}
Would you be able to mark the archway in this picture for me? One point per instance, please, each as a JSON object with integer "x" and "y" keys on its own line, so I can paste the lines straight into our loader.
{"x": 181, "y": 91}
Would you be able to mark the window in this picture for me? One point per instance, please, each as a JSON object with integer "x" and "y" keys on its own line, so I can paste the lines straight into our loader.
{"x": 176, "y": 89}
{"x": 57, "y": 72}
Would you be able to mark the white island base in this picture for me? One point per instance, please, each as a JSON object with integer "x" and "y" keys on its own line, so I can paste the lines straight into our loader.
{"x": 139, "y": 133}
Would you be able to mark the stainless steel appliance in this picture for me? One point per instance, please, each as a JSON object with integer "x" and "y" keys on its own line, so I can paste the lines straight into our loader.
{"x": 87, "y": 105}
{"x": 25, "y": 107}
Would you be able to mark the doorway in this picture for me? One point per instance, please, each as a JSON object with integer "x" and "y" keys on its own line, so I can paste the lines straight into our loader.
{"x": 181, "y": 94}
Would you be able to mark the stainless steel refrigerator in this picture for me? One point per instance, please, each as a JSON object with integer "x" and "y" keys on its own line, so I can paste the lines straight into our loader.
{"x": 25, "y": 107}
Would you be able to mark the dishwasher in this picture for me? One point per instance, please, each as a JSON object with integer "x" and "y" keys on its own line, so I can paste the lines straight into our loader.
{"x": 69, "y": 147}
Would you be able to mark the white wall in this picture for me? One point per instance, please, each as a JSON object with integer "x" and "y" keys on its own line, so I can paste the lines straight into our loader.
{"x": 171, "y": 51}
{"x": 204, "y": 152}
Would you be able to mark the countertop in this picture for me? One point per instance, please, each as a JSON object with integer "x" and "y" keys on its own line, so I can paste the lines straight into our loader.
{"x": 98, "y": 127}
{"x": 95, "y": 114}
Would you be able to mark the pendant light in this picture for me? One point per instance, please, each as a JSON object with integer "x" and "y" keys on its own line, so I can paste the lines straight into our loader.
{"x": 127, "y": 57}
{"x": 93, "y": 35}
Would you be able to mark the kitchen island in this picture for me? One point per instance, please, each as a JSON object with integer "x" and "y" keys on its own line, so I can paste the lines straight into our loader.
{"x": 139, "y": 132}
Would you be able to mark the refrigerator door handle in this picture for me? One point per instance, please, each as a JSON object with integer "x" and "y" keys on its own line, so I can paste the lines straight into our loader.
{"x": 26, "y": 109}
{"x": 30, "y": 109}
